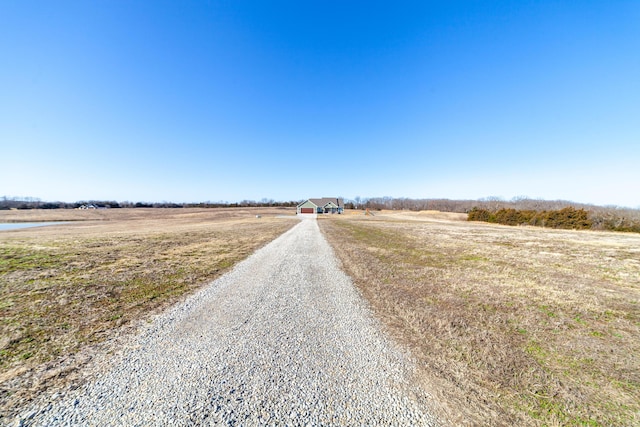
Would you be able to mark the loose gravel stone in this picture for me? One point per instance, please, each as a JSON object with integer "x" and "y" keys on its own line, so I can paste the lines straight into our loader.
{"x": 283, "y": 339}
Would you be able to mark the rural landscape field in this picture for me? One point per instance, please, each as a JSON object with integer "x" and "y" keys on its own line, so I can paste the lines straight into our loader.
{"x": 509, "y": 325}
{"x": 67, "y": 288}
{"x": 320, "y": 213}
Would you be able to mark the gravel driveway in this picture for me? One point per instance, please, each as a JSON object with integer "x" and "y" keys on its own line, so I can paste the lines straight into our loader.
{"x": 283, "y": 339}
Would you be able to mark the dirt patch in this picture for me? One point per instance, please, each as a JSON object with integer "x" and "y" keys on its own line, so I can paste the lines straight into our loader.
{"x": 66, "y": 288}
{"x": 510, "y": 326}
{"x": 436, "y": 216}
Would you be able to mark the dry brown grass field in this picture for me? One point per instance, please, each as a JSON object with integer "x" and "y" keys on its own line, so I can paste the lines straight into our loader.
{"x": 508, "y": 325}
{"x": 68, "y": 287}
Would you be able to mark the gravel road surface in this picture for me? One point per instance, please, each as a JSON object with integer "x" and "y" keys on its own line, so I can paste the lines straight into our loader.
{"x": 282, "y": 339}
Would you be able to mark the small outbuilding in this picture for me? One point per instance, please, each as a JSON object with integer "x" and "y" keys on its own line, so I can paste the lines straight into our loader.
{"x": 321, "y": 206}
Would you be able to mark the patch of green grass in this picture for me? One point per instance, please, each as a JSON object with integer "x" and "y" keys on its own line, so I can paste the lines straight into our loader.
{"x": 535, "y": 349}
{"x": 608, "y": 315}
{"x": 548, "y": 311}
{"x": 15, "y": 258}
{"x": 391, "y": 246}
{"x": 115, "y": 316}
{"x": 7, "y": 303}
{"x": 579, "y": 320}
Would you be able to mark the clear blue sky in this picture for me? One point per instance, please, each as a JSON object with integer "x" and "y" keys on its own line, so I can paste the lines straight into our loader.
{"x": 230, "y": 100}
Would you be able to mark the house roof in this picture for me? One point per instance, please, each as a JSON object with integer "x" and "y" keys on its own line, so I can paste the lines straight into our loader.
{"x": 305, "y": 201}
{"x": 326, "y": 200}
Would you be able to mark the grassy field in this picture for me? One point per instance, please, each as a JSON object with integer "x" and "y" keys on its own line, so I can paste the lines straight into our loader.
{"x": 69, "y": 286}
{"x": 509, "y": 325}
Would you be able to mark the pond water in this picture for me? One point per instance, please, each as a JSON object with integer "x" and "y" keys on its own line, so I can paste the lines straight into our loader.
{"x": 17, "y": 225}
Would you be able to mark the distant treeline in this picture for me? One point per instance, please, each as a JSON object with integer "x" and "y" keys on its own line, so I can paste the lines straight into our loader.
{"x": 33, "y": 203}
{"x": 567, "y": 218}
{"x": 464, "y": 206}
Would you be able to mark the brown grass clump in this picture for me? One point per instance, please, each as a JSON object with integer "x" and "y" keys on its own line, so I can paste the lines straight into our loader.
{"x": 67, "y": 286}
{"x": 510, "y": 326}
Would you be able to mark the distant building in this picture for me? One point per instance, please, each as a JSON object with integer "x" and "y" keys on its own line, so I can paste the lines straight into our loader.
{"x": 321, "y": 206}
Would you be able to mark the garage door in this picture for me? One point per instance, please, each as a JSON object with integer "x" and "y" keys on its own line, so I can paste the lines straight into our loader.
{"x": 306, "y": 210}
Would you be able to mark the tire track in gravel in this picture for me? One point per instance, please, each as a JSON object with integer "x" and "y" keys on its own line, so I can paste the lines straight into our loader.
{"x": 282, "y": 339}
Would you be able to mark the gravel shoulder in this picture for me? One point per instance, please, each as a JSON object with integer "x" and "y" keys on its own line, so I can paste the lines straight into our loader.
{"x": 282, "y": 339}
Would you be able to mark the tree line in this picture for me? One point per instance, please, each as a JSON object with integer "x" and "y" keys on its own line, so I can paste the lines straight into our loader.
{"x": 35, "y": 203}
{"x": 465, "y": 205}
{"x": 565, "y": 218}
